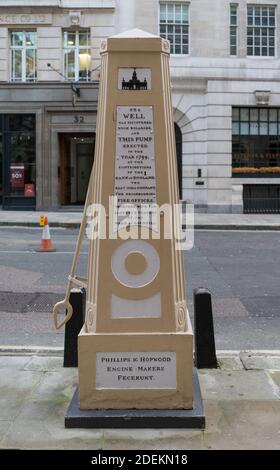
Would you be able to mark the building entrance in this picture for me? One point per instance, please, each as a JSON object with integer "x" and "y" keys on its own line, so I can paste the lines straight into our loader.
{"x": 76, "y": 160}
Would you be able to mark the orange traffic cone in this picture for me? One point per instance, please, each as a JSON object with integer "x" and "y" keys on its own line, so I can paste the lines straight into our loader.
{"x": 46, "y": 242}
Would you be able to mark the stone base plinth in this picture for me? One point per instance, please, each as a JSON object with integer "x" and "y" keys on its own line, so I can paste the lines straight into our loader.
{"x": 187, "y": 419}
{"x": 135, "y": 371}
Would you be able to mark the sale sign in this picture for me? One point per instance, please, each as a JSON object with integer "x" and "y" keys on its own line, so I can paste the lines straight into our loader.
{"x": 17, "y": 175}
{"x": 29, "y": 190}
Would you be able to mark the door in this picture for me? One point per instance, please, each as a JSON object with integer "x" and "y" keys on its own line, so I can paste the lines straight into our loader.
{"x": 76, "y": 159}
{"x": 65, "y": 169}
{"x": 84, "y": 158}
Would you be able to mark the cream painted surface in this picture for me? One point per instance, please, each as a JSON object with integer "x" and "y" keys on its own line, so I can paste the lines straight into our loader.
{"x": 135, "y": 312}
{"x": 164, "y": 398}
{"x": 150, "y": 255}
{"x": 144, "y": 308}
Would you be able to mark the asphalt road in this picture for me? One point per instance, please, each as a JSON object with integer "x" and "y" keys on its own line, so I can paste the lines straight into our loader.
{"x": 241, "y": 270}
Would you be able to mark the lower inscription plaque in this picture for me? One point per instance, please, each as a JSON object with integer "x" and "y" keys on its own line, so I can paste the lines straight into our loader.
{"x": 136, "y": 370}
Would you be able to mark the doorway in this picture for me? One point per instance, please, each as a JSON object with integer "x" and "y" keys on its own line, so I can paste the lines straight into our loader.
{"x": 76, "y": 160}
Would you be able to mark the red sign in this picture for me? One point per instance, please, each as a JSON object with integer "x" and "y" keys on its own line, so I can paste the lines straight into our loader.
{"x": 17, "y": 175}
{"x": 29, "y": 190}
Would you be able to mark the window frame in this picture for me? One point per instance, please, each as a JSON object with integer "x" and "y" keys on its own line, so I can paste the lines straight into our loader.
{"x": 253, "y": 26}
{"x": 255, "y": 141}
{"x": 76, "y": 48}
{"x": 165, "y": 35}
{"x": 23, "y": 50}
{"x": 235, "y": 26}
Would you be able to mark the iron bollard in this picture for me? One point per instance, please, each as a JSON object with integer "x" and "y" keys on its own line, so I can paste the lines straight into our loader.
{"x": 73, "y": 327}
{"x": 204, "y": 338}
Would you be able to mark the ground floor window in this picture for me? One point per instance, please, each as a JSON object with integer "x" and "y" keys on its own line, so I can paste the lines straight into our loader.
{"x": 18, "y": 160}
{"x": 256, "y": 141}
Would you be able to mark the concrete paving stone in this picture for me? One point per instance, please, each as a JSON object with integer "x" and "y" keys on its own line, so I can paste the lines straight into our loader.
{"x": 203, "y": 219}
{"x": 275, "y": 375}
{"x": 230, "y": 363}
{"x": 151, "y": 439}
{"x": 244, "y": 425}
{"x": 51, "y": 398}
{"x": 260, "y": 362}
{"x": 37, "y": 434}
{"x": 4, "y": 429}
{"x": 55, "y": 382}
{"x": 236, "y": 385}
{"x": 8, "y": 362}
{"x": 273, "y": 383}
{"x": 40, "y": 363}
{"x": 15, "y": 389}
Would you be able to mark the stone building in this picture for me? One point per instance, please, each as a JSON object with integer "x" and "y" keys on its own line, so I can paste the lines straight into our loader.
{"x": 225, "y": 73}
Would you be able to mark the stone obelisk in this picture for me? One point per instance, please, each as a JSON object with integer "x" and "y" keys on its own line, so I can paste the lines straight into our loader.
{"x": 136, "y": 346}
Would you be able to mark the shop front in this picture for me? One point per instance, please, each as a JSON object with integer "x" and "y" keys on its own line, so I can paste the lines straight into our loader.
{"x": 256, "y": 157}
{"x": 18, "y": 161}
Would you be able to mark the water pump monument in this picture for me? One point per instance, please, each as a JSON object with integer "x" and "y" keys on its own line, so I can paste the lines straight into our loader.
{"x": 136, "y": 346}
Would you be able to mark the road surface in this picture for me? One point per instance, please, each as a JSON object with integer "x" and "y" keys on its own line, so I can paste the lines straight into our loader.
{"x": 241, "y": 270}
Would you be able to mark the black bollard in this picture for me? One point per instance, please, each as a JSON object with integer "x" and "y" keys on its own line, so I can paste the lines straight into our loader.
{"x": 73, "y": 327}
{"x": 204, "y": 339}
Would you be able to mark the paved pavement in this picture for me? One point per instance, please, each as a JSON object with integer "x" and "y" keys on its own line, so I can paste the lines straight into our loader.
{"x": 241, "y": 400}
{"x": 205, "y": 221}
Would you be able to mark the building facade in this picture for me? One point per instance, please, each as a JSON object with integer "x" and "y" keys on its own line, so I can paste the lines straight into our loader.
{"x": 225, "y": 72}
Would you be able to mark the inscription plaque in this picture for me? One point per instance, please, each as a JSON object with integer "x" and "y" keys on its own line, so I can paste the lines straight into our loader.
{"x": 28, "y": 18}
{"x": 135, "y": 178}
{"x": 136, "y": 370}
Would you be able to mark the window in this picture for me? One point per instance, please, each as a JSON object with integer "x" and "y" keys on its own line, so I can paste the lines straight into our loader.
{"x": 233, "y": 29}
{"x": 174, "y": 26}
{"x": 256, "y": 141}
{"x": 77, "y": 58}
{"x": 261, "y": 31}
{"x": 23, "y": 56}
{"x": 19, "y": 160}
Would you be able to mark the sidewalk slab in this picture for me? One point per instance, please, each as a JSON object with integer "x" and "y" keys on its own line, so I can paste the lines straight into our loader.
{"x": 236, "y": 385}
{"x": 15, "y": 389}
{"x": 45, "y": 364}
{"x": 4, "y": 428}
{"x": 242, "y": 410}
{"x": 243, "y": 425}
{"x": 275, "y": 376}
{"x": 151, "y": 439}
{"x": 230, "y": 363}
{"x": 260, "y": 362}
{"x": 71, "y": 219}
